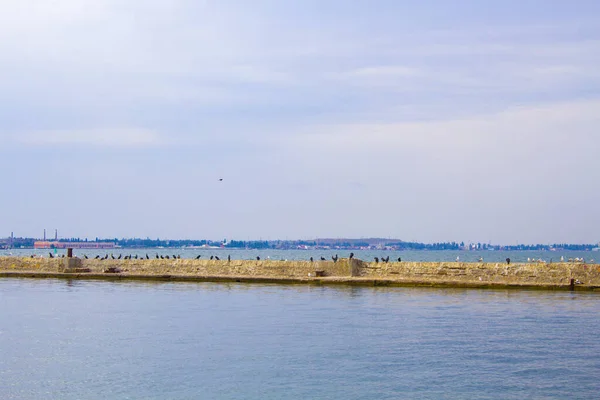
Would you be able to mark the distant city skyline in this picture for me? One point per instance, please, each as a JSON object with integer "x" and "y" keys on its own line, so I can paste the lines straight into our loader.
{"x": 426, "y": 121}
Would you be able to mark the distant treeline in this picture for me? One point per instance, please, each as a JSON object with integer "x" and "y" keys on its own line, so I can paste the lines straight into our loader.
{"x": 18, "y": 242}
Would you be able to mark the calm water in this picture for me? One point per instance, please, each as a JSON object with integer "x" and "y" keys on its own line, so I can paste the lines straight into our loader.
{"x": 239, "y": 254}
{"x": 100, "y": 340}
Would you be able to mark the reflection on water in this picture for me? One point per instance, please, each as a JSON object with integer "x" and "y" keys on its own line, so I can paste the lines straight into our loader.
{"x": 144, "y": 340}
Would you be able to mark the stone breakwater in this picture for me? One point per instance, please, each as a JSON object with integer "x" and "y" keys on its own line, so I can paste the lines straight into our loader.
{"x": 356, "y": 272}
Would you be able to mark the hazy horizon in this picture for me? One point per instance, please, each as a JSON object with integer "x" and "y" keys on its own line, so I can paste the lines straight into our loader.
{"x": 323, "y": 240}
{"x": 431, "y": 121}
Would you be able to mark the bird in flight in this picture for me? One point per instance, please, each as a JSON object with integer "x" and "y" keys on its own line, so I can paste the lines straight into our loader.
{"x": 220, "y": 179}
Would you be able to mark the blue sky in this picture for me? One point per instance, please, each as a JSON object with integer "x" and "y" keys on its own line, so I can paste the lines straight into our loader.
{"x": 428, "y": 121}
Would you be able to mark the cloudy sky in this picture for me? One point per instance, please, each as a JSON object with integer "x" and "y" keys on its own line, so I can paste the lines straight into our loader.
{"x": 432, "y": 120}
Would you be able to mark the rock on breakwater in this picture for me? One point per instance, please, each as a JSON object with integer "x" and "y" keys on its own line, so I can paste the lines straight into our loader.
{"x": 554, "y": 275}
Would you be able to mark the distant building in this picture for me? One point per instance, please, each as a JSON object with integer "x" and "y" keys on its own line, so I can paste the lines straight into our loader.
{"x": 44, "y": 244}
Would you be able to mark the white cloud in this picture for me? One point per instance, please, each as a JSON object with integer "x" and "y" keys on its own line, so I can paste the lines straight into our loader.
{"x": 540, "y": 122}
{"x": 385, "y": 71}
{"x": 115, "y": 137}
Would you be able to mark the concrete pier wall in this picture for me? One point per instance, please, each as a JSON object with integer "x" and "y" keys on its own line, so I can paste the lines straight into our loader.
{"x": 348, "y": 271}
{"x": 265, "y": 268}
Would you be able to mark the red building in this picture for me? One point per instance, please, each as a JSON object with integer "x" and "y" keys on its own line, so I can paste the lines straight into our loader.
{"x": 42, "y": 244}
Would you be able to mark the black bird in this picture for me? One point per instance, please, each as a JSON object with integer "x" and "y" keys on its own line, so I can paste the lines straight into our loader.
{"x": 85, "y": 256}
{"x": 229, "y": 257}
{"x": 387, "y": 259}
{"x": 162, "y": 257}
{"x": 167, "y": 257}
{"x": 199, "y": 255}
{"x": 32, "y": 256}
{"x": 97, "y": 257}
{"x": 118, "y": 258}
{"x": 111, "y": 256}
{"x": 178, "y": 256}
{"x": 334, "y": 258}
{"x": 322, "y": 258}
{"x": 217, "y": 258}
{"x": 508, "y": 261}
{"x": 311, "y": 259}
{"x": 136, "y": 256}
{"x": 51, "y": 256}
{"x": 399, "y": 259}
{"x": 376, "y": 259}
{"x": 351, "y": 256}
{"x": 258, "y": 258}
{"x": 174, "y": 257}
{"x": 211, "y": 257}
{"x": 147, "y": 258}
{"x": 220, "y": 179}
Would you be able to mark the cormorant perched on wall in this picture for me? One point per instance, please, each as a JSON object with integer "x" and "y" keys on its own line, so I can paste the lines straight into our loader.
{"x": 118, "y": 258}
{"x": 136, "y": 256}
{"x": 85, "y": 256}
{"x": 229, "y": 257}
{"x": 211, "y": 257}
{"x": 162, "y": 257}
{"x": 386, "y": 260}
{"x": 97, "y": 257}
{"x": 174, "y": 257}
{"x": 147, "y": 258}
{"x": 199, "y": 255}
{"x": 258, "y": 258}
{"x": 334, "y": 258}
{"x": 399, "y": 259}
{"x": 311, "y": 259}
{"x": 376, "y": 259}
{"x": 351, "y": 256}
{"x": 322, "y": 258}
{"x": 217, "y": 258}
{"x": 157, "y": 257}
{"x": 167, "y": 257}
{"x": 508, "y": 261}
{"x": 112, "y": 256}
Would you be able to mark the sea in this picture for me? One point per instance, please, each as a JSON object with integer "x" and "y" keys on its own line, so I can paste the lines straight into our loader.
{"x": 365, "y": 255}
{"x": 79, "y": 339}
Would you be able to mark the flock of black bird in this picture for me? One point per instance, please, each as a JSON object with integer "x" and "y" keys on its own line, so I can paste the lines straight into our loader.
{"x": 176, "y": 257}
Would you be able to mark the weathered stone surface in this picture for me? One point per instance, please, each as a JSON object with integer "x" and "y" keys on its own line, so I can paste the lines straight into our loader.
{"x": 72, "y": 264}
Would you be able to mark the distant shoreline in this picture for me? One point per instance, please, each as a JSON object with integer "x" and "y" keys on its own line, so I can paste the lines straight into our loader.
{"x": 341, "y": 244}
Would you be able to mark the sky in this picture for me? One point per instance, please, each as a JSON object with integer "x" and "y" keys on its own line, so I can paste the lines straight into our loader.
{"x": 470, "y": 120}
